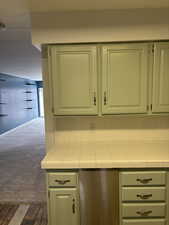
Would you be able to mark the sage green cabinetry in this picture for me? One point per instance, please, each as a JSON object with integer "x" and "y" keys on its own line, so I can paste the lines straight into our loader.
{"x": 143, "y": 197}
{"x": 63, "y": 198}
{"x": 63, "y": 206}
{"x": 74, "y": 79}
{"x": 102, "y": 79}
{"x": 124, "y": 78}
{"x": 161, "y": 78}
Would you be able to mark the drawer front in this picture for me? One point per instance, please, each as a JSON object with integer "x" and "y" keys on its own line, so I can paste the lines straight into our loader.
{"x": 143, "y": 210}
{"x": 62, "y": 179}
{"x": 144, "y": 222}
{"x": 142, "y": 194}
{"x": 143, "y": 178}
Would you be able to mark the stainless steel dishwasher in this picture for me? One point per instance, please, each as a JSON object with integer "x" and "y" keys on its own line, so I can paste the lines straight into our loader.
{"x": 99, "y": 196}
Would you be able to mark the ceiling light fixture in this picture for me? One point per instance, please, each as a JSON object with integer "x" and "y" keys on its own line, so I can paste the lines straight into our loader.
{"x": 2, "y": 26}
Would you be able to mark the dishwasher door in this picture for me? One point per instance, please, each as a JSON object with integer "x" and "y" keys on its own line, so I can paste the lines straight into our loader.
{"x": 99, "y": 196}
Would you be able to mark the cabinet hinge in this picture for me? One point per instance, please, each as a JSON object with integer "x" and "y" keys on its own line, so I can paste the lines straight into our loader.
{"x": 153, "y": 49}
{"x": 44, "y": 51}
{"x": 147, "y": 107}
{"x": 48, "y": 194}
{"x": 151, "y": 107}
{"x": 50, "y": 52}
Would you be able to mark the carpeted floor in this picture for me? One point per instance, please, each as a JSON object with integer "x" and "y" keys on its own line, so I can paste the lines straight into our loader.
{"x": 21, "y": 150}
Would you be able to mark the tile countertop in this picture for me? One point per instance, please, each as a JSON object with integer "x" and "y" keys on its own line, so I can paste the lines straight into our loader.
{"x": 115, "y": 154}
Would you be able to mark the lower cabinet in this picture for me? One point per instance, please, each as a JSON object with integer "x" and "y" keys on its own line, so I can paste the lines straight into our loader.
{"x": 143, "y": 197}
{"x": 63, "y": 198}
{"x": 64, "y": 206}
{"x": 107, "y": 197}
{"x": 145, "y": 222}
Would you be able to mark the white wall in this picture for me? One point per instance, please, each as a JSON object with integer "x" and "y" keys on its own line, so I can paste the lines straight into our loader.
{"x": 100, "y": 26}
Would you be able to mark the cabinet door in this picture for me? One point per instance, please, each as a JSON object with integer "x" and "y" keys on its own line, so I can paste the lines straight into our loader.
{"x": 74, "y": 80}
{"x": 124, "y": 77}
{"x": 161, "y": 78}
{"x": 64, "y": 207}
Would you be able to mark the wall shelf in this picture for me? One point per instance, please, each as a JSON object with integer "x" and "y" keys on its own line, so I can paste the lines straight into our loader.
{"x": 28, "y": 92}
{"x": 29, "y": 84}
{"x": 3, "y": 115}
{"x": 29, "y": 108}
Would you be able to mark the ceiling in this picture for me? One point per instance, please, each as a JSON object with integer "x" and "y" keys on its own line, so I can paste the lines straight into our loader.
{"x": 18, "y": 56}
{"x": 69, "y": 5}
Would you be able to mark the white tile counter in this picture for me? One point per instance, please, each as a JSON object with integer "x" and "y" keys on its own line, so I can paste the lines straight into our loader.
{"x": 116, "y": 154}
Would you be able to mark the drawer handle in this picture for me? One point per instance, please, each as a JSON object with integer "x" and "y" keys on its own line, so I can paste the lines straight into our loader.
{"x": 144, "y": 196}
{"x": 94, "y": 98}
{"x": 144, "y": 213}
{"x": 73, "y": 207}
{"x": 62, "y": 182}
{"x": 105, "y": 98}
{"x": 144, "y": 181}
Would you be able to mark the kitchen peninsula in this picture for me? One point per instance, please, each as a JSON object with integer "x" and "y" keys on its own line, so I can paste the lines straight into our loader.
{"x": 107, "y": 133}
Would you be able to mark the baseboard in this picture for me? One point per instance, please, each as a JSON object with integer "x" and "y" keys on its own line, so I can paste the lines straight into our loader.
{"x": 22, "y": 125}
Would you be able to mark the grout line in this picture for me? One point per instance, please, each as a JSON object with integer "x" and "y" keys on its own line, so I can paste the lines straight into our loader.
{"x": 19, "y": 215}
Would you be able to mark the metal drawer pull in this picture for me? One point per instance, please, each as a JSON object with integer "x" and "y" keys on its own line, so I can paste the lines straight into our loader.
{"x": 73, "y": 206}
{"x": 94, "y": 98}
{"x": 145, "y": 213}
{"x": 144, "y": 181}
{"x": 62, "y": 182}
{"x": 144, "y": 196}
{"x": 105, "y": 98}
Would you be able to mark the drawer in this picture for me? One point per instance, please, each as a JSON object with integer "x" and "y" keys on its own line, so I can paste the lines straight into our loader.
{"x": 144, "y": 222}
{"x": 141, "y": 210}
{"x": 143, "y": 194}
{"x": 62, "y": 179}
{"x": 142, "y": 178}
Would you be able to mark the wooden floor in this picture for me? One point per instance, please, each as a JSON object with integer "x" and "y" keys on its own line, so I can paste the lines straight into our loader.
{"x": 23, "y": 214}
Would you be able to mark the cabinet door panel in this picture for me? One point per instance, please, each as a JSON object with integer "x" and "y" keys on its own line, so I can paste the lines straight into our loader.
{"x": 161, "y": 78}
{"x": 64, "y": 207}
{"x": 124, "y": 77}
{"x": 74, "y": 80}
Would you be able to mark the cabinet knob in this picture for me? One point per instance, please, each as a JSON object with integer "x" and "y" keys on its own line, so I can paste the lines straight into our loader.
{"x": 144, "y": 181}
{"x": 143, "y": 197}
{"x": 144, "y": 213}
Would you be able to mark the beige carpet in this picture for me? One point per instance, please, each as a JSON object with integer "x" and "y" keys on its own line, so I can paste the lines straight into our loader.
{"x": 21, "y": 150}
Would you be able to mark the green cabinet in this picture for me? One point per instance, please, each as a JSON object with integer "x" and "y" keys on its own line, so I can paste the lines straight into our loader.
{"x": 160, "y": 101}
{"x": 74, "y": 79}
{"x": 64, "y": 206}
{"x": 143, "y": 197}
{"x": 97, "y": 79}
{"x": 124, "y": 78}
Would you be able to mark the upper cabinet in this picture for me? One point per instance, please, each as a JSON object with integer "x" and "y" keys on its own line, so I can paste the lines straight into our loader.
{"x": 160, "y": 101}
{"x": 102, "y": 79}
{"x": 74, "y": 80}
{"x": 124, "y": 78}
